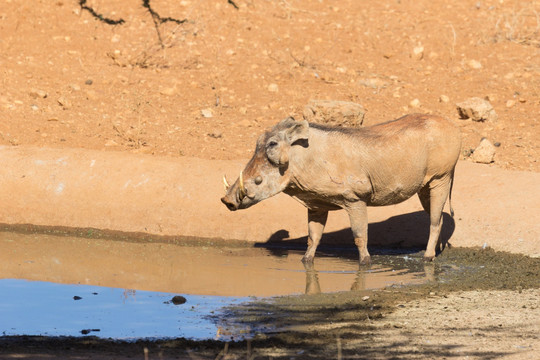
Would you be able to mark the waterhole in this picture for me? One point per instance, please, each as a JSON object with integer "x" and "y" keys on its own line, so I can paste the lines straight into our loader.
{"x": 68, "y": 286}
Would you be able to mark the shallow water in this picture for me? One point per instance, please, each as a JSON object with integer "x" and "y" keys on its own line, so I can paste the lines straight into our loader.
{"x": 60, "y": 285}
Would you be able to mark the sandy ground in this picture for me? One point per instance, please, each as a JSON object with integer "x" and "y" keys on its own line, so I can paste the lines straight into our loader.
{"x": 206, "y": 88}
{"x": 465, "y": 325}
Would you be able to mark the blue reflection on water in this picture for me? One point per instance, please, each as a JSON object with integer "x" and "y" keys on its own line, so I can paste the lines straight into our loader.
{"x": 45, "y": 308}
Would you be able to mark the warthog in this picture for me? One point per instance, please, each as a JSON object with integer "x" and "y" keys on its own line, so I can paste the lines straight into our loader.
{"x": 331, "y": 168}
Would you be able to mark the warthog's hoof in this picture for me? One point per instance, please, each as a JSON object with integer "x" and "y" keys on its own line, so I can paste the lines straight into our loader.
{"x": 366, "y": 260}
{"x": 429, "y": 258}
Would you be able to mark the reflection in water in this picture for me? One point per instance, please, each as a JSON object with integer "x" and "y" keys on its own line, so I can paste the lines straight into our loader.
{"x": 122, "y": 289}
{"x": 366, "y": 272}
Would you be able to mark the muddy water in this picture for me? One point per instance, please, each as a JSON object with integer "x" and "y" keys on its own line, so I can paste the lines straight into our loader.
{"x": 60, "y": 285}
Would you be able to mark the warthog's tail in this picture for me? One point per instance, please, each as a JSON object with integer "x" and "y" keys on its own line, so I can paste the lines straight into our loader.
{"x": 450, "y": 195}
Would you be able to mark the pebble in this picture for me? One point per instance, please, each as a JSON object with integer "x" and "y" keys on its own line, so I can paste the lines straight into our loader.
{"x": 334, "y": 112}
{"x": 207, "y": 113}
{"x": 273, "y": 88}
{"x": 89, "y": 82}
{"x": 444, "y": 99}
{"x": 374, "y": 83}
{"x": 65, "y": 103}
{"x": 415, "y": 103}
{"x": 35, "y": 93}
{"x": 178, "y": 300}
{"x": 418, "y": 52}
{"x": 215, "y": 134}
{"x": 484, "y": 153}
{"x": 169, "y": 91}
{"x": 476, "y": 109}
{"x": 510, "y": 103}
{"x": 245, "y": 123}
{"x": 365, "y": 298}
{"x": 474, "y": 64}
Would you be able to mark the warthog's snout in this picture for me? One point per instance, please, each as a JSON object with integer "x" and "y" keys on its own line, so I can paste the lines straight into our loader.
{"x": 231, "y": 205}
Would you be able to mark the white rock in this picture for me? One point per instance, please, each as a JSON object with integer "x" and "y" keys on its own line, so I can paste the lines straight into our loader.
{"x": 510, "y": 103}
{"x": 415, "y": 103}
{"x": 474, "y": 64}
{"x": 374, "y": 83}
{"x": 35, "y": 93}
{"x": 64, "y": 102}
{"x": 207, "y": 113}
{"x": 444, "y": 99}
{"x": 273, "y": 88}
{"x": 476, "y": 109}
{"x": 418, "y": 52}
{"x": 484, "y": 153}
{"x": 169, "y": 91}
{"x": 333, "y": 112}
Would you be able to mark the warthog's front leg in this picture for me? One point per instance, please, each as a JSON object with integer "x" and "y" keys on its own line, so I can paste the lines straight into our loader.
{"x": 359, "y": 225}
{"x": 316, "y": 223}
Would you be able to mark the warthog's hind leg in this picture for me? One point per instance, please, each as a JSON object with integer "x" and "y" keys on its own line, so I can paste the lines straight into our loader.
{"x": 433, "y": 197}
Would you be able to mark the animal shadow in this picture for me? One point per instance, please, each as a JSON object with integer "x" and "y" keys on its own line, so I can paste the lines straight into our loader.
{"x": 406, "y": 231}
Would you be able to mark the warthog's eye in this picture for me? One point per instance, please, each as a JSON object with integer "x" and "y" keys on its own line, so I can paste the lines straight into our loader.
{"x": 271, "y": 144}
{"x": 258, "y": 180}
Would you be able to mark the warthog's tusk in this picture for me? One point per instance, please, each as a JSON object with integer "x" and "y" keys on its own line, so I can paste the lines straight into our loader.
{"x": 242, "y": 189}
{"x": 226, "y": 183}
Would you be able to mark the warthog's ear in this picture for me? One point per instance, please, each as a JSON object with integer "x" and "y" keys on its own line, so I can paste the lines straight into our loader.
{"x": 298, "y": 130}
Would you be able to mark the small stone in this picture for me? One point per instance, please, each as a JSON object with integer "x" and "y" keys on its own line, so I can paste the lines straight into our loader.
{"x": 415, "y": 103}
{"x": 273, "y": 88}
{"x": 169, "y": 91}
{"x": 374, "y": 83}
{"x": 91, "y": 94}
{"x": 476, "y": 109}
{"x": 215, "y": 134}
{"x": 35, "y": 93}
{"x": 474, "y": 64}
{"x": 178, "y": 300}
{"x": 89, "y": 82}
{"x": 510, "y": 103}
{"x": 75, "y": 87}
{"x": 484, "y": 153}
{"x": 365, "y": 298}
{"x": 34, "y": 107}
{"x": 207, "y": 113}
{"x": 65, "y": 103}
{"x": 245, "y": 123}
{"x": 444, "y": 99}
{"x": 333, "y": 112}
{"x": 418, "y": 52}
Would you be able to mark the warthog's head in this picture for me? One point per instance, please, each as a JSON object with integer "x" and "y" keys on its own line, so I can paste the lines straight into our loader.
{"x": 266, "y": 174}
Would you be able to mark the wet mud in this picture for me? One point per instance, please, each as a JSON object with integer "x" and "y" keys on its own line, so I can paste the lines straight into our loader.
{"x": 313, "y": 324}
